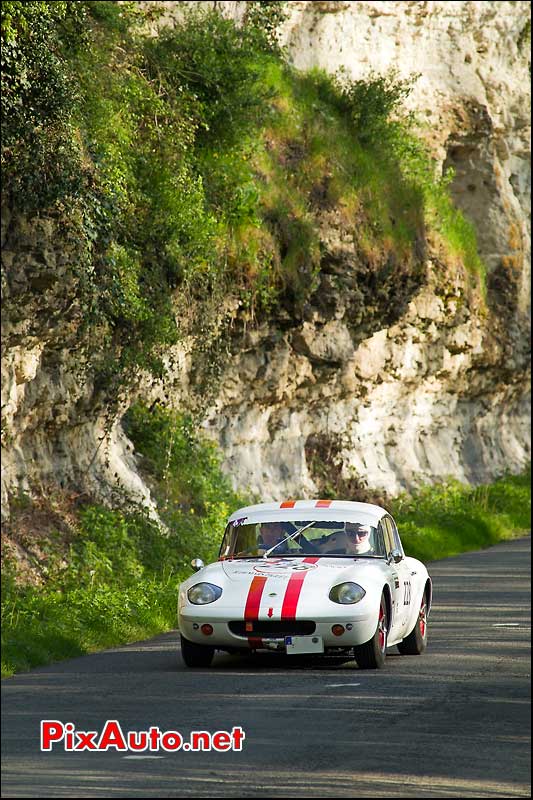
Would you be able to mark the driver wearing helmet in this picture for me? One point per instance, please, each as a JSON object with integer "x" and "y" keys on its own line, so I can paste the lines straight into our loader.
{"x": 274, "y": 533}
{"x": 354, "y": 540}
{"x": 358, "y": 536}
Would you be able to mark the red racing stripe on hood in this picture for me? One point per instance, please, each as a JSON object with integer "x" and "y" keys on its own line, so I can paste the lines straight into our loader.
{"x": 253, "y": 601}
{"x": 292, "y": 592}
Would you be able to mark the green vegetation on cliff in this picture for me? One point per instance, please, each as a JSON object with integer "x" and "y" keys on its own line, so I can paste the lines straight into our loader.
{"x": 197, "y": 165}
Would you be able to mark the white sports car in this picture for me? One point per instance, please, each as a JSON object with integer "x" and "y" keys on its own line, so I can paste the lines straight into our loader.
{"x": 307, "y": 576}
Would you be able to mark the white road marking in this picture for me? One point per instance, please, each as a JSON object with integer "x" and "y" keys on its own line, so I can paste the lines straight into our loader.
{"x": 334, "y": 685}
{"x": 143, "y": 756}
{"x": 506, "y": 625}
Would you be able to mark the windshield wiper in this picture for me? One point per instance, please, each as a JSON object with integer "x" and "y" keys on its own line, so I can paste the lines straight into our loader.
{"x": 288, "y": 538}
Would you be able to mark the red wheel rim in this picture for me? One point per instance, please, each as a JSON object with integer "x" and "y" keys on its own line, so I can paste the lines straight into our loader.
{"x": 422, "y": 618}
{"x": 382, "y": 628}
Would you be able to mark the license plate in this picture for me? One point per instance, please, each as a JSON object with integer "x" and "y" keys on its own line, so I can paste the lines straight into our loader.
{"x": 304, "y": 644}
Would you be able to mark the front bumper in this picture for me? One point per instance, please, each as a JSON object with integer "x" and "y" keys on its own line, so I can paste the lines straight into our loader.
{"x": 358, "y": 629}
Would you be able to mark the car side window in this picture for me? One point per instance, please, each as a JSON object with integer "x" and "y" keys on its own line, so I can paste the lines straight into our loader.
{"x": 379, "y": 543}
{"x": 386, "y": 533}
{"x": 395, "y": 535}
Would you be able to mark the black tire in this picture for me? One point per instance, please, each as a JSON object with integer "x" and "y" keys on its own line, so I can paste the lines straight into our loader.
{"x": 196, "y": 655}
{"x": 371, "y": 654}
{"x": 416, "y": 642}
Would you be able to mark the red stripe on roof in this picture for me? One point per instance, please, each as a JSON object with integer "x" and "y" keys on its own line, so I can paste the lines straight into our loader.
{"x": 253, "y": 601}
{"x": 322, "y": 503}
{"x": 287, "y": 504}
{"x": 292, "y": 592}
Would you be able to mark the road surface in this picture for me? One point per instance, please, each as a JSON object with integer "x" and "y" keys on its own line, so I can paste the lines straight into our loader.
{"x": 454, "y": 722}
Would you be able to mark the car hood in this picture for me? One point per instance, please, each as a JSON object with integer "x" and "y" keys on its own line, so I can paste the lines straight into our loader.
{"x": 277, "y": 587}
{"x": 319, "y": 573}
{"x": 317, "y": 570}
{"x": 284, "y": 567}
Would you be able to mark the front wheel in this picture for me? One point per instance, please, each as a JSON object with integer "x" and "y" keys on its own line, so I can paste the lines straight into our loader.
{"x": 416, "y": 642}
{"x": 196, "y": 655}
{"x": 371, "y": 654}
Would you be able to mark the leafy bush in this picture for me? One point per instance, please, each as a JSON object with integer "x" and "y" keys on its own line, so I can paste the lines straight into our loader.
{"x": 122, "y": 574}
{"x": 376, "y": 107}
{"x": 41, "y": 157}
{"x": 193, "y": 495}
{"x": 262, "y": 20}
{"x": 443, "y": 520}
{"x": 219, "y": 67}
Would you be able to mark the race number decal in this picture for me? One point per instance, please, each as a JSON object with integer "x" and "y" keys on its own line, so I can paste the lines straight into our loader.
{"x": 282, "y": 566}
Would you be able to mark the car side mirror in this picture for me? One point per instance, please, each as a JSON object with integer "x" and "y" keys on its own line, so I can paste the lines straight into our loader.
{"x": 197, "y": 564}
{"x": 396, "y": 556}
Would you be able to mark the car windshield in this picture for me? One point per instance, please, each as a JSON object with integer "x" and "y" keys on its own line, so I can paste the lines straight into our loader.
{"x": 320, "y": 538}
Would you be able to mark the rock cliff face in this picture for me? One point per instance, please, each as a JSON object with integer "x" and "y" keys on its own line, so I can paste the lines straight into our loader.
{"x": 373, "y": 383}
{"x": 441, "y": 391}
{"x": 54, "y": 430}
{"x": 444, "y": 390}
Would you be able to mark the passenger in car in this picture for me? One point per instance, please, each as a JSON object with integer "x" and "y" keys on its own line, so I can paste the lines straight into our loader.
{"x": 355, "y": 540}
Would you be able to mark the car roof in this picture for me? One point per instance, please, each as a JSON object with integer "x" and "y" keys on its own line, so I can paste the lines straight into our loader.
{"x": 287, "y": 510}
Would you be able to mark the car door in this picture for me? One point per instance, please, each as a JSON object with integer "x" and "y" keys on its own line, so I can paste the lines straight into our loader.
{"x": 396, "y": 585}
{"x": 403, "y": 571}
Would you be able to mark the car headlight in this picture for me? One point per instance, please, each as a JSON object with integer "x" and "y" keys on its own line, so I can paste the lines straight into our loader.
{"x": 202, "y": 593}
{"x": 347, "y": 593}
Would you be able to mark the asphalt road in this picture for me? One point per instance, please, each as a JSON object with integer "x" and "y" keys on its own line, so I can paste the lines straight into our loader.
{"x": 454, "y": 722}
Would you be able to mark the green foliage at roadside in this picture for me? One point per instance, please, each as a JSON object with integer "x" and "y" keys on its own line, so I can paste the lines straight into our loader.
{"x": 196, "y": 164}
{"x": 40, "y": 626}
{"x": 447, "y": 519}
{"x": 120, "y": 578}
